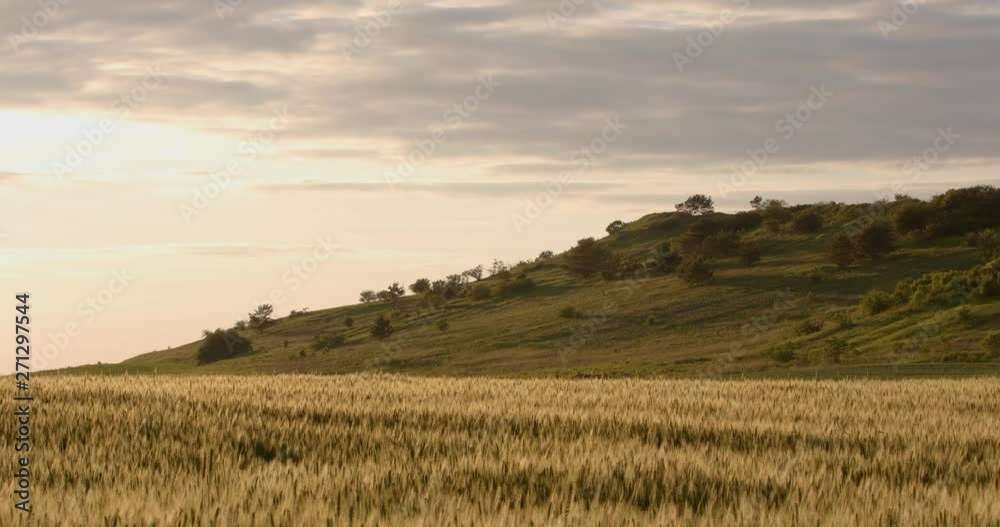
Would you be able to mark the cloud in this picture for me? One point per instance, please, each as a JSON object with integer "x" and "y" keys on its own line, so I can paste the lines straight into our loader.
{"x": 477, "y": 189}
{"x": 558, "y": 85}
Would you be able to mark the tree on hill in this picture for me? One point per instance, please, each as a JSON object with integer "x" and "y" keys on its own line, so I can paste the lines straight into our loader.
{"x": 422, "y": 285}
{"x": 696, "y": 205}
{"x": 221, "y": 344}
{"x": 476, "y": 273}
{"x": 382, "y": 328}
{"x": 876, "y": 240}
{"x": 500, "y": 270}
{"x": 544, "y": 255}
{"x": 615, "y": 227}
{"x": 260, "y": 318}
{"x": 776, "y": 214}
{"x": 841, "y": 250}
{"x": 455, "y": 285}
{"x": 368, "y": 296}
{"x": 392, "y": 294}
{"x": 587, "y": 258}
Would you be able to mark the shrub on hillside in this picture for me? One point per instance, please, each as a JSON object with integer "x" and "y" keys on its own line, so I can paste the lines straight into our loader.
{"x": 613, "y": 267}
{"x": 695, "y": 270}
{"x": 328, "y": 341}
{"x": 749, "y": 254}
{"x": 877, "y": 301}
{"x": 964, "y": 315}
{"x": 843, "y": 320}
{"x": 775, "y": 214}
{"x": 743, "y": 221}
{"x": 721, "y": 244}
{"x": 382, "y": 328}
{"x": 808, "y": 327}
{"x": 988, "y": 242}
{"x": 442, "y": 325}
{"x": 517, "y": 285}
{"x": 664, "y": 261}
{"x": 500, "y": 269}
{"x": 587, "y": 258}
{"x": 570, "y": 312}
{"x": 480, "y": 292}
{"x": 222, "y": 344}
{"x": 836, "y": 348}
{"x": 349, "y": 322}
{"x": 949, "y": 288}
{"x": 991, "y": 344}
{"x": 783, "y": 352}
{"x": 876, "y": 240}
{"x": 806, "y": 222}
{"x": 913, "y": 216}
{"x": 841, "y": 250}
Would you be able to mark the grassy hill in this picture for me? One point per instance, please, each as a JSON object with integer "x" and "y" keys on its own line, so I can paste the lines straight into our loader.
{"x": 792, "y": 313}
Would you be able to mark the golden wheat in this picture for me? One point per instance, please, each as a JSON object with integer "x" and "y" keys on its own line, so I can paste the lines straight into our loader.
{"x": 375, "y": 450}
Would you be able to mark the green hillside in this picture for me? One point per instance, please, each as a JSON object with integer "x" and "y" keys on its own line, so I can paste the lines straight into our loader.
{"x": 794, "y": 312}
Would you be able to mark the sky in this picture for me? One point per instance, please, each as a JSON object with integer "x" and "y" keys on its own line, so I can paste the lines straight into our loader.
{"x": 167, "y": 166}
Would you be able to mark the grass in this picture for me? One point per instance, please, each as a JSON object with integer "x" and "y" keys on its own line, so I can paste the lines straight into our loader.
{"x": 384, "y": 449}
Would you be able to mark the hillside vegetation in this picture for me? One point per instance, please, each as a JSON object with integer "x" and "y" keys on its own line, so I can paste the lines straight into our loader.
{"x": 900, "y": 287}
{"x": 387, "y": 450}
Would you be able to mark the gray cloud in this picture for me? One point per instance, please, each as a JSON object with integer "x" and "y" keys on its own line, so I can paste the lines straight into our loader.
{"x": 938, "y": 70}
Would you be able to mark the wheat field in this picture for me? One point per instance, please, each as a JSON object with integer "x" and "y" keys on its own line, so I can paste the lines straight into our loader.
{"x": 379, "y": 449}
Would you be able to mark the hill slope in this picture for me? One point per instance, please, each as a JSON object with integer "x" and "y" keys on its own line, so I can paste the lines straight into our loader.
{"x": 793, "y": 312}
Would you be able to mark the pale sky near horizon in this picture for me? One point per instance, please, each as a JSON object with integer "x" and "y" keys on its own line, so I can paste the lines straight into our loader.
{"x": 436, "y": 143}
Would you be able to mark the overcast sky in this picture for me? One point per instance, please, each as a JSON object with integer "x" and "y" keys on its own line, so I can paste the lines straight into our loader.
{"x": 200, "y": 150}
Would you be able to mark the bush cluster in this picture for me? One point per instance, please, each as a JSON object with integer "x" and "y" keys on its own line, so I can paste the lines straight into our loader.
{"x": 222, "y": 344}
{"x": 328, "y": 341}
